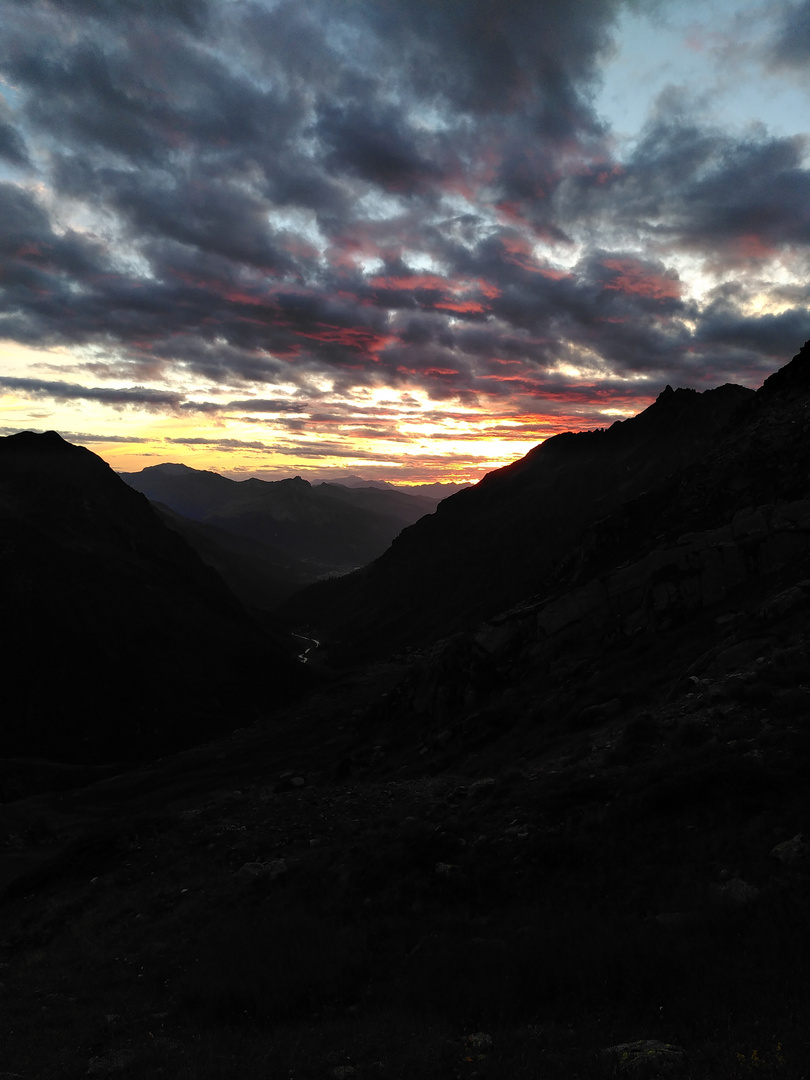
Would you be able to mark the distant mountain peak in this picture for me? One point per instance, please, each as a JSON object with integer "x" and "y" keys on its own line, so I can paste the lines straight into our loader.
{"x": 351, "y": 480}
{"x": 171, "y": 468}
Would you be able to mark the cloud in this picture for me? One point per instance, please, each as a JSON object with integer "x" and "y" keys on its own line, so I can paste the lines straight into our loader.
{"x": 484, "y": 57}
{"x": 80, "y": 437}
{"x": 284, "y": 205}
{"x": 378, "y": 147}
{"x": 12, "y": 145}
{"x": 222, "y": 444}
{"x": 734, "y": 201}
{"x": 773, "y": 335}
{"x": 192, "y": 13}
{"x": 139, "y": 396}
{"x": 789, "y": 46}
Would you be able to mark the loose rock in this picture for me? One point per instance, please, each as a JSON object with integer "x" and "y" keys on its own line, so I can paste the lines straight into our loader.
{"x": 793, "y": 850}
{"x": 648, "y": 1058}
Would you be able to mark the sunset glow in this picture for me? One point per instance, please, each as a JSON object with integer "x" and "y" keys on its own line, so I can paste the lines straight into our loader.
{"x": 230, "y": 243}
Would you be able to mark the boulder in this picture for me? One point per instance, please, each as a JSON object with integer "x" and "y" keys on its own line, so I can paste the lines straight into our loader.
{"x": 735, "y": 893}
{"x": 648, "y": 1058}
{"x": 793, "y": 850}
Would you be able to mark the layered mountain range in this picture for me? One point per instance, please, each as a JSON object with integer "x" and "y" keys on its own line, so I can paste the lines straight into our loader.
{"x": 270, "y": 538}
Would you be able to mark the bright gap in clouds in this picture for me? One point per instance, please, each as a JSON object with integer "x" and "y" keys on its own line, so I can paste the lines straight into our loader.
{"x": 708, "y": 50}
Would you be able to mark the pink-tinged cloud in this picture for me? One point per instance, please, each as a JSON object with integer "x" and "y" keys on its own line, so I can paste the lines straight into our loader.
{"x": 410, "y": 281}
{"x": 427, "y": 371}
{"x": 604, "y": 175}
{"x": 223, "y": 288}
{"x": 752, "y": 246}
{"x": 347, "y": 250}
{"x": 471, "y": 306}
{"x": 632, "y": 277}
{"x": 433, "y": 283}
{"x": 512, "y": 210}
{"x": 300, "y": 248}
{"x": 489, "y": 290}
{"x": 364, "y": 240}
{"x": 509, "y": 379}
{"x": 553, "y": 274}
{"x": 236, "y": 297}
{"x": 520, "y": 252}
{"x": 468, "y": 189}
{"x": 357, "y": 338}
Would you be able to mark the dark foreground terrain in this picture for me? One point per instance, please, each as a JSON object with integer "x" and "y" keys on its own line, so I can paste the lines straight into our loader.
{"x": 338, "y": 895}
{"x": 570, "y": 841}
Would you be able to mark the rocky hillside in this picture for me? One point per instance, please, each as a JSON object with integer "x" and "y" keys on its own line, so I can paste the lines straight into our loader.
{"x": 383, "y": 883}
{"x": 122, "y": 644}
{"x": 687, "y": 581}
{"x": 502, "y": 541}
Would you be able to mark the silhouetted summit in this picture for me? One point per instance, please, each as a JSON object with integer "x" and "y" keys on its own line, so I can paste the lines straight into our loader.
{"x": 120, "y": 640}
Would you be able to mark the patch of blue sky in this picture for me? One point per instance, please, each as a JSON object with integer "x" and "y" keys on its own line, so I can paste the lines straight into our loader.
{"x": 715, "y": 53}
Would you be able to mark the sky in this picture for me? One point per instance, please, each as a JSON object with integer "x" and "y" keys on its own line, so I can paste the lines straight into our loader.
{"x": 408, "y": 239}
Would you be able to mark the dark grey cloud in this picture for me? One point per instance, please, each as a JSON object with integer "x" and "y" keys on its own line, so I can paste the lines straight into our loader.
{"x": 32, "y": 247}
{"x": 347, "y": 196}
{"x": 214, "y": 218}
{"x": 694, "y": 189}
{"x": 252, "y": 405}
{"x": 770, "y": 335}
{"x": 222, "y": 444}
{"x": 790, "y": 44}
{"x": 57, "y": 390}
{"x": 12, "y": 145}
{"x": 487, "y": 57}
{"x": 192, "y": 13}
{"x": 80, "y": 437}
{"x": 380, "y": 148}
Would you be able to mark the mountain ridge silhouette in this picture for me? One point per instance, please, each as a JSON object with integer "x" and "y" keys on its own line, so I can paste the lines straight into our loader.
{"x": 123, "y": 643}
{"x": 493, "y": 545}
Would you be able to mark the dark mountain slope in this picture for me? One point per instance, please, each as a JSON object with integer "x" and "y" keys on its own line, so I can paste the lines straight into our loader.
{"x": 259, "y": 574}
{"x": 116, "y": 639}
{"x": 306, "y": 532}
{"x": 194, "y": 493}
{"x": 490, "y": 546}
{"x": 701, "y": 579}
{"x": 762, "y": 459}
